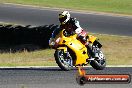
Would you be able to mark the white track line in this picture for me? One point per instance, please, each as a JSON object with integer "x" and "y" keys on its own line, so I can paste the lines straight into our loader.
{"x": 57, "y": 66}
{"x": 113, "y": 35}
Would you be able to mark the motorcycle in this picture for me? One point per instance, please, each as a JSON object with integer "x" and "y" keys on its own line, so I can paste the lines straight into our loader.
{"x": 70, "y": 52}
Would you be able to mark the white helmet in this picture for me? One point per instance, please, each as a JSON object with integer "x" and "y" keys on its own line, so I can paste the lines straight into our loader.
{"x": 64, "y": 17}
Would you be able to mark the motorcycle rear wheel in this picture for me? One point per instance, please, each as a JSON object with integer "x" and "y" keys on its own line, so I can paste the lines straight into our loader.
{"x": 100, "y": 62}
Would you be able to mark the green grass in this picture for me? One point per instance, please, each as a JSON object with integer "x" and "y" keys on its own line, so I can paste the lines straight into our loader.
{"x": 117, "y": 49}
{"x": 36, "y": 58}
{"x": 112, "y": 6}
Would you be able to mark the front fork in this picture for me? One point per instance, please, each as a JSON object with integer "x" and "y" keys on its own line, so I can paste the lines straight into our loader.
{"x": 68, "y": 57}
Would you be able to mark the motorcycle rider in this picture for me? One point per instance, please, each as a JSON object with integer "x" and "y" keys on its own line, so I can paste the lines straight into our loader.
{"x": 71, "y": 25}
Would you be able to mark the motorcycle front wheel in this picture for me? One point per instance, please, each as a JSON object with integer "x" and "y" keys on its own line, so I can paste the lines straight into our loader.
{"x": 65, "y": 62}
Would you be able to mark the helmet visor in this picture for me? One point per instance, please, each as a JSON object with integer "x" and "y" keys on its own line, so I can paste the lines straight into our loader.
{"x": 62, "y": 18}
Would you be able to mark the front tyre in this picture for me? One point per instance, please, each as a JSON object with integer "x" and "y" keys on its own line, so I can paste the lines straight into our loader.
{"x": 99, "y": 63}
{"x": 64, "y": 61}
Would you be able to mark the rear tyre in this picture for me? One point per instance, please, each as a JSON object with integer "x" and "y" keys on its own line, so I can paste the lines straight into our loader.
{"x": 100, "y": 62}
{"x": 64, "y": 63}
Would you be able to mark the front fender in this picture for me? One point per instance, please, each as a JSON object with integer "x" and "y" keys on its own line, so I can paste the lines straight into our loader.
{"x": 64, "y": 48}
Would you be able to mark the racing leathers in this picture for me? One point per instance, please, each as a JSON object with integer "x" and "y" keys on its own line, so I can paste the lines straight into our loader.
{"x": 72, "y": 26}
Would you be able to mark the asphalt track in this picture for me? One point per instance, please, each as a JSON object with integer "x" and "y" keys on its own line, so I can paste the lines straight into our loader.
{"x": 91, "y": 22}
{"x": 54, "y": 78}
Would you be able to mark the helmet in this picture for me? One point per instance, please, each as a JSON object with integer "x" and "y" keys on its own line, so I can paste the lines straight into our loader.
{"x": 64, "y": 17}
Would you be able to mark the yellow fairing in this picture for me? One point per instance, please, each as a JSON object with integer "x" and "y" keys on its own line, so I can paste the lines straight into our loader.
{"x": 80, "y": 51}
{"x": 76, "y": 46}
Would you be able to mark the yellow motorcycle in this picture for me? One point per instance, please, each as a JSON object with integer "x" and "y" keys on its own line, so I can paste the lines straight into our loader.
{"x": 70, "y": 52}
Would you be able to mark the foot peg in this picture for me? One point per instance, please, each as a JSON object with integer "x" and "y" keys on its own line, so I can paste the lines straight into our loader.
{"x": 90, "y": 59}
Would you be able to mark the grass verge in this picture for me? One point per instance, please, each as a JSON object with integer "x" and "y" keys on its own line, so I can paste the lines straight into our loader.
{"x": 117, "y": 49}
{"x": 36, "y": 58}
{"x": 112, "y": 6}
